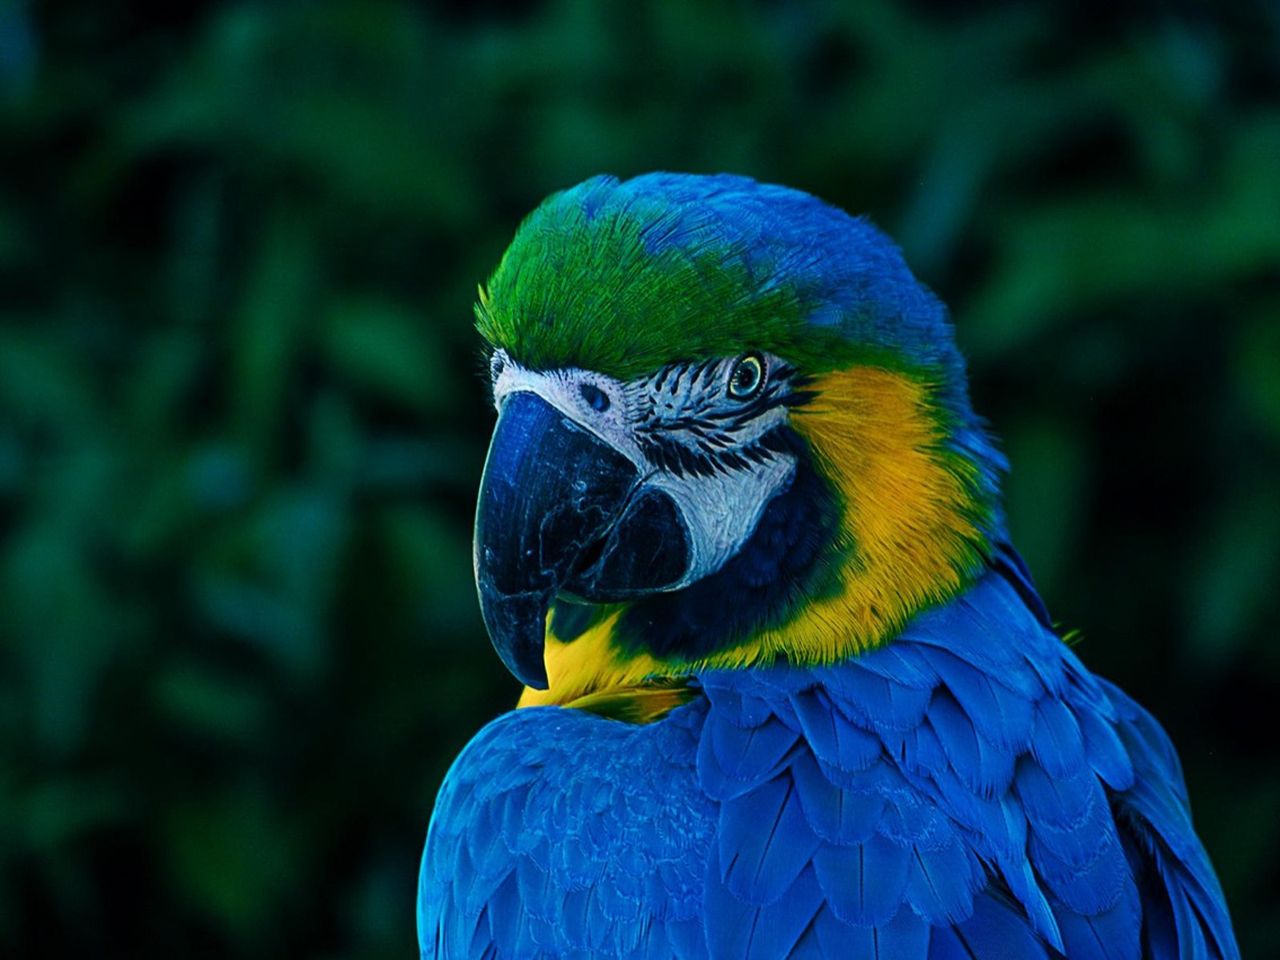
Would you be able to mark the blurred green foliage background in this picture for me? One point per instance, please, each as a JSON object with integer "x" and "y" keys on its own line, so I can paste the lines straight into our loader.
{"x": 241, "y": 423}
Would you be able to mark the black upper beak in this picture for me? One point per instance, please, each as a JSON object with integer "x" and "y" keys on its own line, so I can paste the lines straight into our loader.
{"x": 561, "y": 509}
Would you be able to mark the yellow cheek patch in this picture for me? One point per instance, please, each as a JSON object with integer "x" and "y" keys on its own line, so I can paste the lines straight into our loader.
{"x": 909, "y": 538}
{"x": 909, "y": 514}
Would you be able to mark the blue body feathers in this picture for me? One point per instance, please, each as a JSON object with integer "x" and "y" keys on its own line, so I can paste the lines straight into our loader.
{"x": 969, "y": 791}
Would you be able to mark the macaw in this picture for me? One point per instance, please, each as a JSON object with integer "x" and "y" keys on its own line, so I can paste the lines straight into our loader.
{"x": 789, "y": 691}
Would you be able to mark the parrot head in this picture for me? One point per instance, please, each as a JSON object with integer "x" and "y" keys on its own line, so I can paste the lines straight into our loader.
{"x": 732, "y": 428}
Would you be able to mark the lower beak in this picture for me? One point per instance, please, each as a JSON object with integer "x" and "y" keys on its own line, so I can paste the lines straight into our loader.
{"x": 560, "y": 509}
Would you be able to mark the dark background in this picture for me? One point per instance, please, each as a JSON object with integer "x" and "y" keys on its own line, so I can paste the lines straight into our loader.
{"x": 241, "y": 424}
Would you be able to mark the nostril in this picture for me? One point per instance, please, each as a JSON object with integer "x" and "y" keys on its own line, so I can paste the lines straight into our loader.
{"x": 596, "y": 398}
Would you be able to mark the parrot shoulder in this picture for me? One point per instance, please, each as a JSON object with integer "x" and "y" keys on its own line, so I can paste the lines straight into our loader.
{"x": 561, "y": 832}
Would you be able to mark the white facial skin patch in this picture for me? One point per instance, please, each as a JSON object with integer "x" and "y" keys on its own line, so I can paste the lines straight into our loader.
{"x": 692, "y": 430}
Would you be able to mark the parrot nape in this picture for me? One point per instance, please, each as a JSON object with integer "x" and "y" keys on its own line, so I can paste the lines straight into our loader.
{"x": 789, "y": 689}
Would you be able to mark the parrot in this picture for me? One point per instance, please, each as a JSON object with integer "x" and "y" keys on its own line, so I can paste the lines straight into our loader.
{"x": 789, "y": 691}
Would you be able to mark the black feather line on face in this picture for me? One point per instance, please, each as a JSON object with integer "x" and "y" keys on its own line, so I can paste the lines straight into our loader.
{"x": 700, "y": 440}
{"x": 682, "y": 460}
{"x": 692, "y": 424}
{"x": 799, "y": 398}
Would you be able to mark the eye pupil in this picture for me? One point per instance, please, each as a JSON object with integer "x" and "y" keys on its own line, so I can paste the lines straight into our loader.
{"x": 596, "y": 398}
{"x": 747, "y": 377}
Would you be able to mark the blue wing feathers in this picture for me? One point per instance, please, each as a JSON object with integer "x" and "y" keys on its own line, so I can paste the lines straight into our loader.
{"x": 905, "y": 936}
{"x": 1106, "y": 754}
{"x": 941, "y": 883}
{"x": 840, "y": 817}
{"x": 996, "y": 929}
{"x": 903, "y": 665}
{"x": 765, "y": 842}
{"x": 981, "y": 766}
{"x": 1026, "y": 891}
{"x": 1106, "y": 934}
{"x": 874, "y": 703}
{"x": 777, "y": 928}
{"x": 970, "y": 792}
{"x": 1057, "y": 805}
{"x": 1056, "y": 741}
{"x": 1003, "y": 719}
{"x": 923, "y": 751}
{"x": 836, "y": 743}
{"x": 738, "y": 929}
{"x": 750, "y": 755}
{"x": 864, "y": 884}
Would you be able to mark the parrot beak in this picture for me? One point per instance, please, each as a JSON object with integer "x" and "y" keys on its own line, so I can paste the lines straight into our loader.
{"x": 561, "y": 510}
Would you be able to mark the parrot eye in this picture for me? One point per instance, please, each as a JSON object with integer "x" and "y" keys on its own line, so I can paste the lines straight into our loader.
{"x": 747, "y": 377}
{"x": 596, "y": 398}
